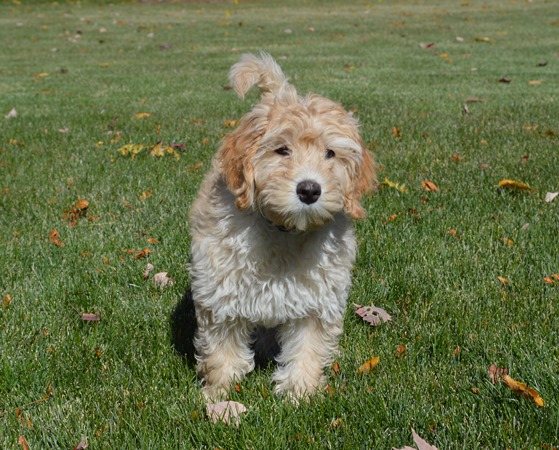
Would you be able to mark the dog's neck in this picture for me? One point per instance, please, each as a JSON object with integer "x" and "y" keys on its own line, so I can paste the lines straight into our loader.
{"x": 279, "y": 227}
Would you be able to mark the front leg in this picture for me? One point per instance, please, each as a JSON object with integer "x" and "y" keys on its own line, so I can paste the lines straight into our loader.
{"x": 307, "y": 346}
{"x": 223, "y": 354}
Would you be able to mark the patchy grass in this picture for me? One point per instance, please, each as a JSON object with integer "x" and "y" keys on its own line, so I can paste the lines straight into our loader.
{"x": 78, "y": 75}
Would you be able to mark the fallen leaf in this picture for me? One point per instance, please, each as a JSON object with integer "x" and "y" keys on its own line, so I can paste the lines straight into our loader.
{"x": 12, "y": 114}
{"x": 82, "y": 445}
{"x": 475, "y": 100}
{"x": 534, "y": 82}
{"x": 419, "y": 442}
{"x": 54, "y": 238}
{"x": 425, "y": 46}
{"x": 457, "y": 351}
{"x": 552, "y": 279}
{"x": 7, "y": 300}
{"x": 82, "y": 205}
{"x": 550, "y": 196}
{"x": 395, "y": 185}
{"x": 496, "y": 373}
{"x": 505, "y": 80}
{"x": 161, "y": 279}
{"x": 429, "y": 186}
{"x": 456, "y": 157}
{"x": 142, "y": 115}
{"x": 195, "y": 167}
{"x": 475, "y": 390}
{"x": 513, "y": 184}
{"x": 149, "y": 268}
{"x": 153, "y": 241}
{"x": 503, "y": 280}
{"x": 146, "y": 194}
{"x": 21, "y": 441}
{"x": 367, "y": 366}
{"x": 372, "y": 314}
{"x": 400, "y": 351}
{"x": 142, "y": 254}
{"x": 523, "y": 390}
{"x": 336, "y": 422}
{"x": 227, "y": 412}
{"x": 336, "y": 368}
{"x": 89, "y": 317}
{"x": 396, "y": 132}
{"x": 454, "y": 233}
{"x": 230, "y": 123}
{"x": 466, "y": 109}
{"x": 131, "y": 150}
{"x": 507, "y": 242}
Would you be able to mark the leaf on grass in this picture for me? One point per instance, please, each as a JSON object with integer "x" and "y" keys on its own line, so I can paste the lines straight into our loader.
{"x": 159, "y": 150}
{"x": 90, "y": 317}
{"x": 523, "y": 390}
{"x": 142, "y": 254}
{"x": 21, "y": 441}
{"x": 54, "y": 238}
{"x": 7, "y": 300}
{"x": 230, "y": 123}
{"x": 12, "y": 114}
{"x": 429, "y": 186}
{"x": 149, "y": 268}
{"x": 552, "y": 279}
{"x": 369, "y": 365}
{"x": 161, "y": 279}
{"x": 372, "y": 314}
{"x": 336, "y": 369}
{"x": 550, "y": 196}
{"x": 142, "y": 115}
{"x": 425, "y": 46}
{"x": 131, "y": 150}
{"x": 395, "y": 185}
{"x": 82, "y": 445}
{"x": 400, "y": 350}
{"x": 505, "y": 80}
{"x": 496, "y": 373}
{"x": 508, "y": 242}
{"x": 419, "y": 442}
{"x": 195, "y": 167}
{"x": 227, "y": 412}
{"x": 513, "y": 184}
{"x": 396, "y": 132}
{"x": 503, "y": 280}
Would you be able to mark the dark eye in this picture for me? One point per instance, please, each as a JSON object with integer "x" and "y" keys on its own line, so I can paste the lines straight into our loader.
{"x": 330, "y": 154}
{"x": 283, "y": 151}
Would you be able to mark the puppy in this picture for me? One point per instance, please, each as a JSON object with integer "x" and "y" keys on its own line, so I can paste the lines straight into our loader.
{"x": 272, "y": 238}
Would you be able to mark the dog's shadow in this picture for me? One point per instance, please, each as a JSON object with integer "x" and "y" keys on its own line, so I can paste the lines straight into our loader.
{"x": 183, "y": 331}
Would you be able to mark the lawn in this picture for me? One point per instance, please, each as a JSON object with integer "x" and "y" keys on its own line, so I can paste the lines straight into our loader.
{"x": 460, "y": 94}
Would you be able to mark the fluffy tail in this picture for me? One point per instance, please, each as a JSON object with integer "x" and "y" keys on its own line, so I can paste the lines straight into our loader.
{"x": 261, "y": 71}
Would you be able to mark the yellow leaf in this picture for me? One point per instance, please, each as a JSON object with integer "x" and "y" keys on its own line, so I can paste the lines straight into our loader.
{"x": 7, "y": 300}
{"x": 523, "y": 390}
{"x": 230, "y": 123}
{"x": 142, "y": 115}
{"x": 131, "y": 149}
{"x": 507, "y": 242}
{"x": 395, "y": 185}
{"x": 513, "y": 184}
{"x": 369, "y": 365}
{"x": 534, "y": 82}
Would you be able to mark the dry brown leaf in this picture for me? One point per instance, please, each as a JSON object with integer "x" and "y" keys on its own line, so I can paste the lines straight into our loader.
{"x": 508, "y": 242}
{"x": 90, "y": 317}
{"x": 82, "y": 445}
{"x": 227, "y": 412}
{"x": 142, "y": 254}
{"x": 336, "y": 422}
{"x": 153, "y": 241}
{"x": 496, "y": 373}
{"x": 149, "y": 268}
{"x": 7, "y": 300}
{"x": 523, "y": 390}
{"x": 372, "y": 314}
{"x": 161, "y": 279}
{"x": 54, "y": 238}
{"x": 396, "y": 132}
{"x": 336, "y": 368}
{"x": 551, "y": 279}
{"x": 429, "y": 186}
{"x": 513, "y": 184}
{"x": 503, "y": 280}
{"x": 419, "y": 442}
{"x": 21, "y": 441}
{"x": 400, "y": 350}
{"x": 195, "y": 167}
{"x": 367, "y": 366}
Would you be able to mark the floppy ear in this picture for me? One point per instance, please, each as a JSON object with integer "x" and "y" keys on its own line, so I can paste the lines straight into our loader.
{"x": 365, "y": 181}
{"x": 235, "y": 162}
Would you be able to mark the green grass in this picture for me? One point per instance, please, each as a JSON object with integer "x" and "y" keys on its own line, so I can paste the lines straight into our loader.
{"x": 120, "y": 383}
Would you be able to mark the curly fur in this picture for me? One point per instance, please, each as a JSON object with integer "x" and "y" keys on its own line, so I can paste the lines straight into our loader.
{"x": 262, "y": 254}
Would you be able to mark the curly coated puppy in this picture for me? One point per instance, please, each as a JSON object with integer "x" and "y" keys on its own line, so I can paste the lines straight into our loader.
{"x": 272, "y": 238}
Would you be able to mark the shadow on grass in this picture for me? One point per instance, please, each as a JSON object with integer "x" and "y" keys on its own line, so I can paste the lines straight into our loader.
{"x": 183, "y": 330}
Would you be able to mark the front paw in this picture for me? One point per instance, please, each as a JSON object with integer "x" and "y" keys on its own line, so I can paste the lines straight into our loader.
{"x": 298, "y": 385}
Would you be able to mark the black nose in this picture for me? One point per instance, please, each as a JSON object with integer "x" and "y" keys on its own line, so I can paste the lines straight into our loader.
{"x": 308, "y": 191}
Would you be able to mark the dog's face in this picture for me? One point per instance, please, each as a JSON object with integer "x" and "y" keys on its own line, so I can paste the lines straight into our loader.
{"x": 298, "y": 160}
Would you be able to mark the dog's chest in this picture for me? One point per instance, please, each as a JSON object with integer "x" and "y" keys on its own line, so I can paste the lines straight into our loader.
{"x": 268, "y": 277}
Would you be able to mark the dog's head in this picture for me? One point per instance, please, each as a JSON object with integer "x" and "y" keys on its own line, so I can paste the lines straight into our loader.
{"x": 300, "y": 161}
